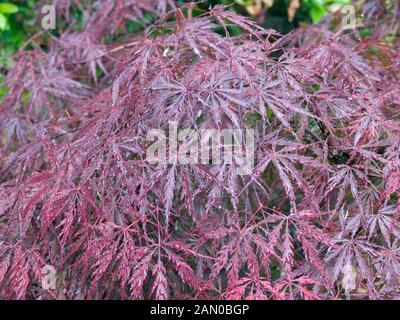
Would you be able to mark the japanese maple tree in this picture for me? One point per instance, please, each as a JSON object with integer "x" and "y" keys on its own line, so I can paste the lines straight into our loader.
{"x": 317, "y": 217}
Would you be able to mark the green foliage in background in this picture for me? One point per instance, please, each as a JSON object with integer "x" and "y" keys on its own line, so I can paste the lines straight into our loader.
{"x": 17, "y": 24}
{"x": 6, "y": 8}
{"x": 316, "y": 9}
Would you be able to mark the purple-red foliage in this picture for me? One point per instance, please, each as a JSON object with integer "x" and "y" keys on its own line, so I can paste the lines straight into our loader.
{"x": 318, "y": 218}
